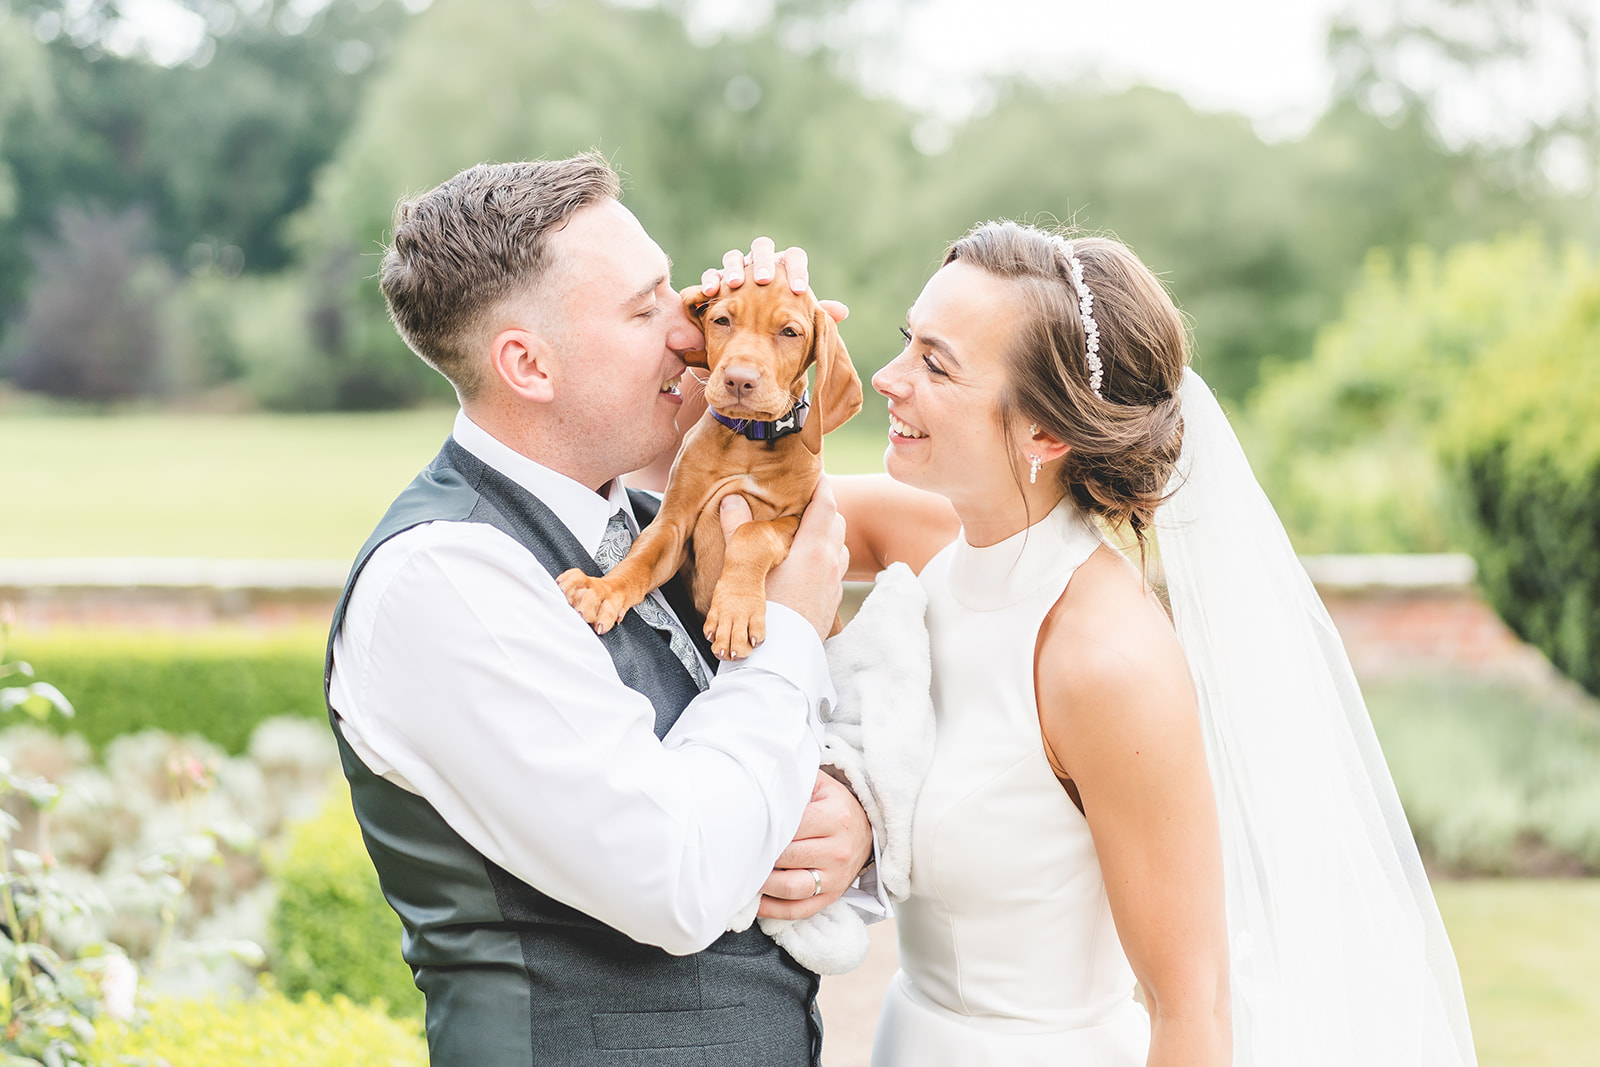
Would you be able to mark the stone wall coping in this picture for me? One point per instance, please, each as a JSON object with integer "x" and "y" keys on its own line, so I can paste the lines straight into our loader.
{"x": 1330, "y": 572}
{"x": 160, "y": 572}
{"x": 1436, "y": 571}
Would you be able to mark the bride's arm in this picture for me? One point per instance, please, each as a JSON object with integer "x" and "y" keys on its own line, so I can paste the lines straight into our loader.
{"x": 1118, "y": 713}
{"x": 886, "y": 522}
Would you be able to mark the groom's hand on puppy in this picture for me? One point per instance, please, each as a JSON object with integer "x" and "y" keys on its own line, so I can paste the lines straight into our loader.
{"x": 834, "y": 839}
{"x": 811, "y": 578}
{"x": 760, "y": 263}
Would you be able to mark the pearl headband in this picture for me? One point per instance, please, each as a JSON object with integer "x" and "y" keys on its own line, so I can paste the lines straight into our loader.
{"x": 1091, "y": 331}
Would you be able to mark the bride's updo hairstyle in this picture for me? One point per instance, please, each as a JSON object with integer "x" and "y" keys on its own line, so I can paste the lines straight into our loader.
{"x": 1124, "y": 441}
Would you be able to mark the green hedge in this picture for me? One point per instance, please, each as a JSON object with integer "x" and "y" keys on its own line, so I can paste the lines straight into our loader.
{"x": 268, "y": 1030}
{"x": 1525, "y": 445}
{"x": 332, "y": 931}
{"x": 216, "y": 683}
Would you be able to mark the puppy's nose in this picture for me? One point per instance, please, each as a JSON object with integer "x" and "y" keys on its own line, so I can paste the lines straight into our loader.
{"x": 739, "y": 380}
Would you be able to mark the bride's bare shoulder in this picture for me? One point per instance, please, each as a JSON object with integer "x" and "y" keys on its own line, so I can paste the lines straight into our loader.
{"x": 1110, "y": 674}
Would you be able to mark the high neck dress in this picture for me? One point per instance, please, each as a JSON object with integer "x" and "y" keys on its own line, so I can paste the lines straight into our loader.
{"x": 1008, "y": 953}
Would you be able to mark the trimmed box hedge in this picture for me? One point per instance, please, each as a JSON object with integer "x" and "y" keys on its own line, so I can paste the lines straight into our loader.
{"x": 333, "y": 933}
{"x": 219, "y": 684}
{"x": 268, "y": 1030}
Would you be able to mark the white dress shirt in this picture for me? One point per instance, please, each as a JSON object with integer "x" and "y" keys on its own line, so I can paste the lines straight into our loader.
{"x": 461, "y": 674}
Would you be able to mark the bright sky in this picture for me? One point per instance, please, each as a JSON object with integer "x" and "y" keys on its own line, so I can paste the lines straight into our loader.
{"x": 1262, "y": 57}
{"x": 1265, "y": 58}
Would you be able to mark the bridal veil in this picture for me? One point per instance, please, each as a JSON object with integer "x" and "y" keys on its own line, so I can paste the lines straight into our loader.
{"x": 1338, "y": 955}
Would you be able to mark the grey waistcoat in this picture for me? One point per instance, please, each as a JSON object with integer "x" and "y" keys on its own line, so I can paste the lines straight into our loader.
{"x": 513, "y": 978}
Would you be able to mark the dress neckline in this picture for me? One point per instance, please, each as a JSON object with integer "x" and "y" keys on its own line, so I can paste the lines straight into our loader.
{"x": 1002, "y": 574}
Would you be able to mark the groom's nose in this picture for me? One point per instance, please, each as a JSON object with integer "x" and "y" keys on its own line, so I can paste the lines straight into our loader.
{"x": 682, "y": 333}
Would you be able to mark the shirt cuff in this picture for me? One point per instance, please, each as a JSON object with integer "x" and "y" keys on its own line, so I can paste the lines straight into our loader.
{"x": 867, "y": 896}
{"x": 793, "y": 652}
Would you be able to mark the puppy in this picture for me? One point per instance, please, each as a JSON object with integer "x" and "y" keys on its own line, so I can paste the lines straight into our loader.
{"x": 761, "y": 437}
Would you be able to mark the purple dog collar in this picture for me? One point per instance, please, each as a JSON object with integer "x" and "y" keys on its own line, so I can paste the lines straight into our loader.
{"x": 757, "y": 430}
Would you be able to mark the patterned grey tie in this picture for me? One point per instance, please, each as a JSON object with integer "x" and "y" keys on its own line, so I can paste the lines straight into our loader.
{"x": 613, "y": 546}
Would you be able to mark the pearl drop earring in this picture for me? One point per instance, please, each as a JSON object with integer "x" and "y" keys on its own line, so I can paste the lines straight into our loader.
{"x": 1034, "y": 463}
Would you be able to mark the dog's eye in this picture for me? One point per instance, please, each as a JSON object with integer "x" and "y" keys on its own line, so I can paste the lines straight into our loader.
{"x": 790, "y": 331}
{"x": 720, "y": 320}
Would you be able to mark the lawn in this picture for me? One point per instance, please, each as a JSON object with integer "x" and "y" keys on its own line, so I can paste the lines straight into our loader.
{"x": 233, "y": 486}
{"x": 1530, "y": 961}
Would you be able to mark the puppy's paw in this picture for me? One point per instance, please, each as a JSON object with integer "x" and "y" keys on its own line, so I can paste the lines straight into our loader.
{"x": 599, "y": 604}
{"x": 736, "y": 625}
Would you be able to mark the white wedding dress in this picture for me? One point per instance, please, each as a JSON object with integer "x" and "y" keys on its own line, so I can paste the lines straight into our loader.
{"x": 1337, "y": 955}
{"x": 1008, "y": 954}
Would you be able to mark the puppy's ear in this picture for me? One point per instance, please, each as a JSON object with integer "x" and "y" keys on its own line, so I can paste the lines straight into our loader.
{"x": 836, "y": 396}
{"x": 694, "y": 305}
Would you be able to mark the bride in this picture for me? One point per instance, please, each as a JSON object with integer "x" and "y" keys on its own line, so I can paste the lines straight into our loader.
{"x": 1196, "y": 809}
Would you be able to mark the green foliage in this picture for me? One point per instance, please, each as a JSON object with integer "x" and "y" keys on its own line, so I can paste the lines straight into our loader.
{"x": 761, "y": 132}
{"x": 1525, "y": 445}
{"x": 218, "y": 684}
{"x": 717, "y": 144}
{"x": 333, "y": 932}
{"x": 1489, "y": 359}
{"x": 745, "y": 136}
{"x": 1495, "y": 777}
{"x": 216, "y": 151}
{"x": 25, "y": 86}
{"x": 256, "y": 330}
{"x": 267, "y": 1030}
{"x": 1343, "y": 443}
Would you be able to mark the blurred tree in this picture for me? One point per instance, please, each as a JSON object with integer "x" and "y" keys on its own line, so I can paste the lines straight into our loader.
{"x": 1344, "y": 443}
{"x": 93, "y": 326}
{"x": 24, "y": 87}
{"x": 1200, "y": 198}
{"x": 1515, "y": 83}
{"x": 717, "y": 144}
{"x": 765, "y": 129}
{"x": 217, "y": 149}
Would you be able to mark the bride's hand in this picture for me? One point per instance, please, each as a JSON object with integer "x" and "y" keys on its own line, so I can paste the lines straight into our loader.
{"x": 834, "y": 840}
{"x": 761, "y": 264}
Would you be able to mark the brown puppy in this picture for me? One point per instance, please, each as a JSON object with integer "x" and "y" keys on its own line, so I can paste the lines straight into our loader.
{"x": 760, "y": 340}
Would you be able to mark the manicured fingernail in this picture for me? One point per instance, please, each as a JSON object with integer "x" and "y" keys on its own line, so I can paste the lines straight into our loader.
{"x": 727, "y": 502}
{"x": 763, "y": 276}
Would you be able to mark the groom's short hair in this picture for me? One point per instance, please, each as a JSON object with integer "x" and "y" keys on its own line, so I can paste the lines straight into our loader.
{"x": 463, "y": 247}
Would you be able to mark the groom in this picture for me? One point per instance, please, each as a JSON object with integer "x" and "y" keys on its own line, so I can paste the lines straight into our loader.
{"x": 565, "y": 822}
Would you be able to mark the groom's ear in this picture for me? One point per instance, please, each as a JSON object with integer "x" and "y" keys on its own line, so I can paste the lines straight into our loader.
{"x": 522, "y": 360}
